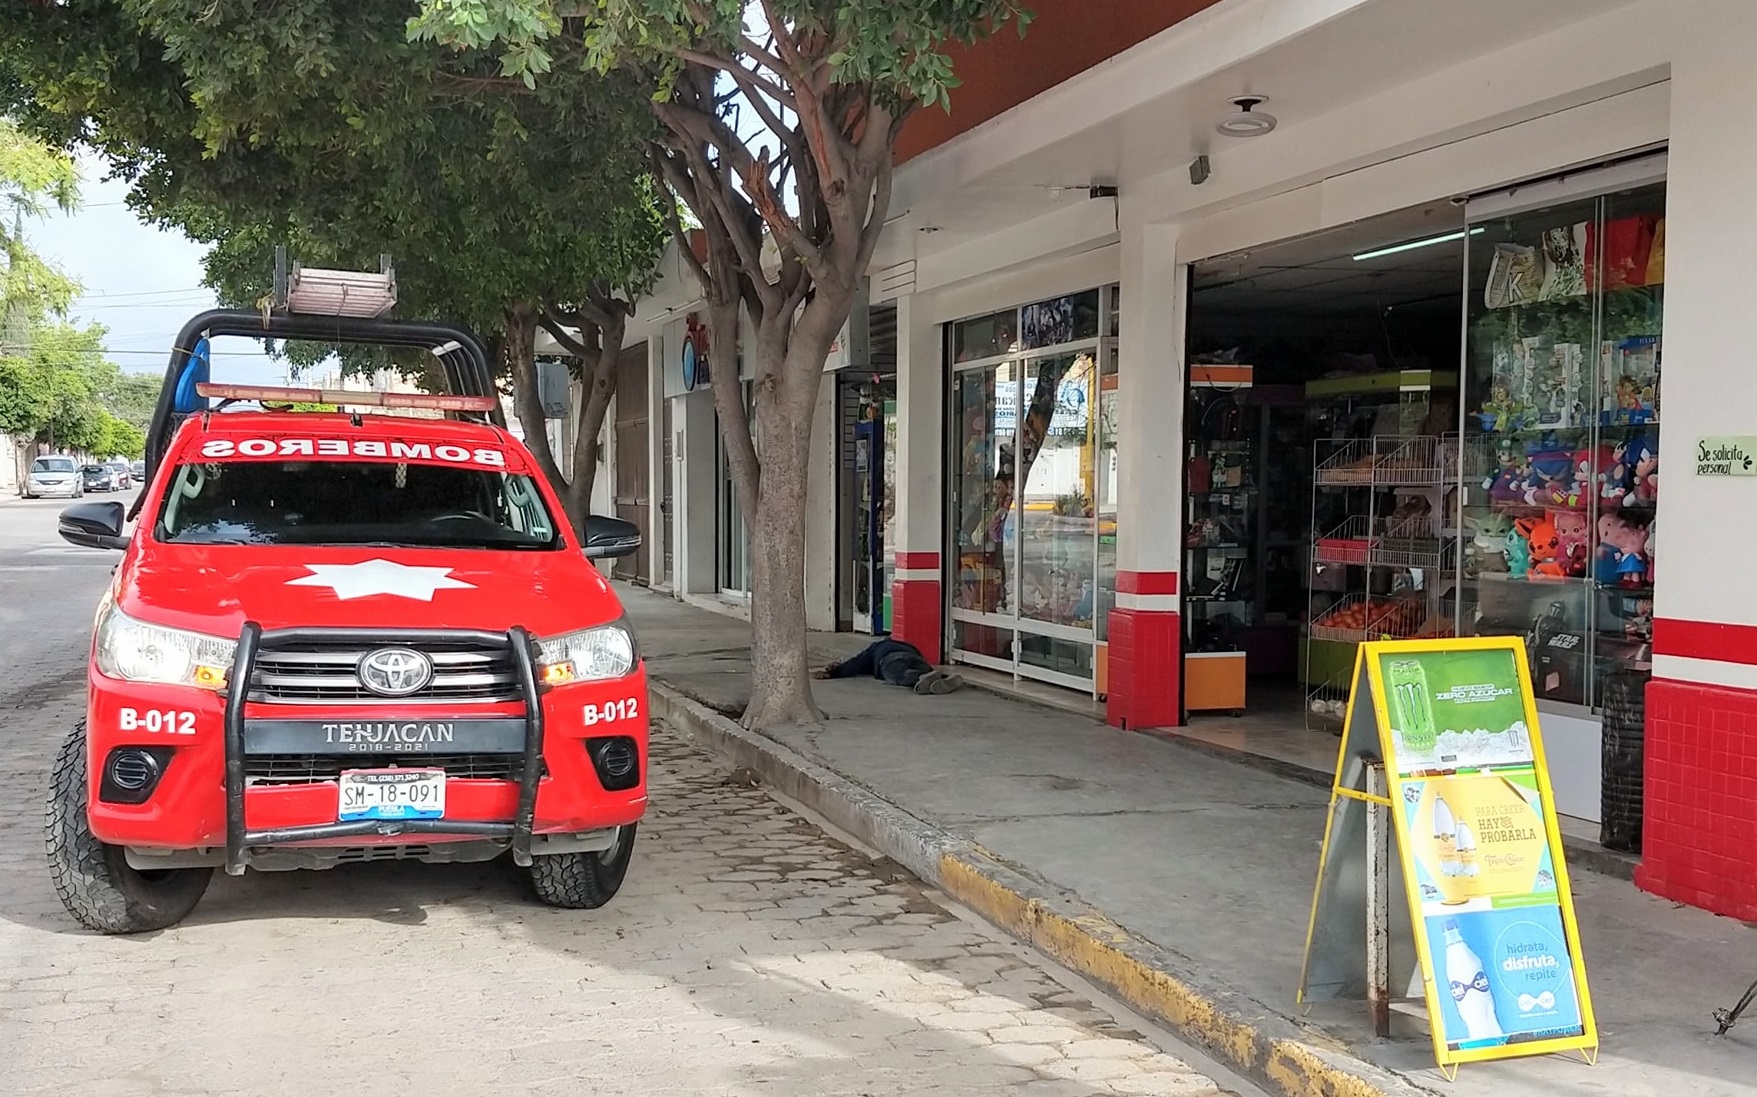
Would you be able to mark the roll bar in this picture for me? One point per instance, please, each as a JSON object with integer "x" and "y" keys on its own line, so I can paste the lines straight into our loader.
{"x": 461, "y": 355}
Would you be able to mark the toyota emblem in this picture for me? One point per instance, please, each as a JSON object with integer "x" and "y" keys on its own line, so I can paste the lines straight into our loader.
{"x": 395, "y": 672}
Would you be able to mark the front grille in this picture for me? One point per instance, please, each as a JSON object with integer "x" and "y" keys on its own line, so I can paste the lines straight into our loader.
{"x": 324, "y": 673}
{"x": 303, "y": 769}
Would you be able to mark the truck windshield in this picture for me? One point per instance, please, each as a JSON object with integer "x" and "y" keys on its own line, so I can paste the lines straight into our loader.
{"x": 354, "y": 503}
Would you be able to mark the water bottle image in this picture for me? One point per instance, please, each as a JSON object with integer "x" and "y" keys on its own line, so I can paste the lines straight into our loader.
{"x": 1446, "y": 837}
{"x": 1470, "y": 988}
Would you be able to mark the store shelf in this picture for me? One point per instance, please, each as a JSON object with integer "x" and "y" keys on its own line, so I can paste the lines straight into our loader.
{"x": 1349, "y": 543}
{"x": 1429, "y": 553}
{"x": 1359, "y": 618}
{"x": 1388, "y": 462}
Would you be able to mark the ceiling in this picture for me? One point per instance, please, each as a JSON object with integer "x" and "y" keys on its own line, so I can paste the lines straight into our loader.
{"x": 1373, "y": 49}
{"x": 1317, "y": 275}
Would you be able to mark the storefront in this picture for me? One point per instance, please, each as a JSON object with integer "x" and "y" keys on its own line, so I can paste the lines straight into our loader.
{"x": 866, "y": 406}
{"x": 1442, "y": 421}
{"x": 1031, "y": 507}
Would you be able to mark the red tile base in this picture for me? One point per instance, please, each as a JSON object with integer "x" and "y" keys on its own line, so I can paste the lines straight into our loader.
{"x": 916, "y": 615}
{"x": 1146, "y": 666}
{"x": 1699, "y": 826}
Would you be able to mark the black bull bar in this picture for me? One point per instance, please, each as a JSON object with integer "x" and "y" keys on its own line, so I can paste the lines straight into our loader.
{"x": 253, "y": 639}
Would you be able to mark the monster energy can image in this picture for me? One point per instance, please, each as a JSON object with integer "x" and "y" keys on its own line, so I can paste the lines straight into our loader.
{"x": 1407, "y": 683}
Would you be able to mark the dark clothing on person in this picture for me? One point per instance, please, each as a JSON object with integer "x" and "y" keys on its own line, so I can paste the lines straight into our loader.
{"x": 895, "y": 661}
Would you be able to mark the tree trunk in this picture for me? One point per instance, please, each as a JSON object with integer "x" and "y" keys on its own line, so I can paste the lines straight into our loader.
{"x": 790, "y": 366}
{"x": 527, "y": 401}
{"x": 599, "y": 373}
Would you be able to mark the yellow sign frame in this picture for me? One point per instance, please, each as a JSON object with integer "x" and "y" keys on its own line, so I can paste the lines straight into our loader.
{"x": 1369, "y": 663}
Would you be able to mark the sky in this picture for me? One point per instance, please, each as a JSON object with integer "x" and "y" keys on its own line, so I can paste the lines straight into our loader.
{"x": 140, "y": 282}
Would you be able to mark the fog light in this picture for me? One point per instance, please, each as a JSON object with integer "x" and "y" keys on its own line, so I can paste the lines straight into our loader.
{"x": 617, "y": 761}
{"x": 132, "y": 773}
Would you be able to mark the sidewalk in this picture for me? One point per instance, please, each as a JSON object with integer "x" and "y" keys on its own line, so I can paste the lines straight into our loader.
{"x": 1180, "y": 880}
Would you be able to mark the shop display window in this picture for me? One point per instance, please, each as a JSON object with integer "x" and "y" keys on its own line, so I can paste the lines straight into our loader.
{"x": 1561, "y": 467}
{"x": 983, "y": 402}
{"x": 1057, "y": 454}
{"x": 1033, "y": 494}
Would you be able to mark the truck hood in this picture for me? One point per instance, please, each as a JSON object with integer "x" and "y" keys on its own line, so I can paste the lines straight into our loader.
{"x": 214, "y": 589}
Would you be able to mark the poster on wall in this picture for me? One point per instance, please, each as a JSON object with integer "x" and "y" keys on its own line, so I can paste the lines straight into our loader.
{"x": 1480, "y": 854}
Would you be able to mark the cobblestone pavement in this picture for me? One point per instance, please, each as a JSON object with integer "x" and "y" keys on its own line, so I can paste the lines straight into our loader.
{"x": 747, "y": 953}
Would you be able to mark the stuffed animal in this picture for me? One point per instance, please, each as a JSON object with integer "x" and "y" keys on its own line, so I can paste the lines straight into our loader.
{"x": 1622, "y": 552}
{"x": 1488, "y": 543}
{"x": 1540, "y": 536}
{"x": 1572, "y": 535}
{"x": 1613, "y": 477}
{"x": 1518, "y": 553}
{"x": 1643, "y": 473}
{"x": 1652, "y": 550}
{"x": 1551, "y": 478}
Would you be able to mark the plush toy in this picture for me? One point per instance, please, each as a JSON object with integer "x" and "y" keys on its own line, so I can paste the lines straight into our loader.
{"x": 1518, "y": 554}
{"x": 1643, "y": 473}
{"x": 1488, "y": 544}
{"x": 1572, "y": 535}
{"x": 1613, "y": 477}
{"x": 1540, "y": 536}
{"x": 1622, "y": 552}
{"x": 1551, "y": 476}
{"x": 1652, "y": 550}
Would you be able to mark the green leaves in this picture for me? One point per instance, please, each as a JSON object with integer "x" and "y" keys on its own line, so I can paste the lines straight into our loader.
{"x": 346, "y": 129}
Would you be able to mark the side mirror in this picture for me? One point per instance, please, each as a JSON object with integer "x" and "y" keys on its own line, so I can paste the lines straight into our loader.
{"x": 607, "y": 538}
{"x": 94, "y": 525}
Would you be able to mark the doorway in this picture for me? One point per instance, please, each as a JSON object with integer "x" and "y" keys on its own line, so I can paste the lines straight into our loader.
{"x": 633, "y": 472}
{"x": 868, "y": 417}
{"x": 1321, "y": 427}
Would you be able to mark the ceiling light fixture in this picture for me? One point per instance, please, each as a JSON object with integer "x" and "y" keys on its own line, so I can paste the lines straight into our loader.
{"x": 1413, "y": 244}
{"x": 1249, "y": 121}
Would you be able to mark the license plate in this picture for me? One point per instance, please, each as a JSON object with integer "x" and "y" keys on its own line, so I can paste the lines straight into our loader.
{"x": 392, "y": 794}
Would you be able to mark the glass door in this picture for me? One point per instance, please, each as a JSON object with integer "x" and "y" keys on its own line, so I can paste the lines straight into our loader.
{"x": 1057, "y": 565}
{"x": 1033, "y": 481}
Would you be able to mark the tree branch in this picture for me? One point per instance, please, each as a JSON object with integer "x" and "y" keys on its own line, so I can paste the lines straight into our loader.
{"x": 551, "y": 324}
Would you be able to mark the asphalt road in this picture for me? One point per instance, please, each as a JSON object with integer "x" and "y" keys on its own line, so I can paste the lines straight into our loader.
{"x": 748, "y": 953}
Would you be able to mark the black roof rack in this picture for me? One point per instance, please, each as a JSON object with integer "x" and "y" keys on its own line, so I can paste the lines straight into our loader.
{"x": 460, "y": 354}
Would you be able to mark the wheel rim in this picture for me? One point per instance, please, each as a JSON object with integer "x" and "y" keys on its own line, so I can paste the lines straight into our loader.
{"x": 614, "y": 853}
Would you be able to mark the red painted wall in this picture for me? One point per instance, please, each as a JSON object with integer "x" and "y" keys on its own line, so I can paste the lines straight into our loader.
{"x": 1067, "y": 37}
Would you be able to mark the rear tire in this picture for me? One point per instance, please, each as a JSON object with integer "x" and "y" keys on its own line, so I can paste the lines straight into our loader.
{"x": 93, "y": 879}
{"x": 583, "y": 881}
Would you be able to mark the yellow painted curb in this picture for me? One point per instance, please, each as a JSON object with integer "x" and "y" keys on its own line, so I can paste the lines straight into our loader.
{"x": 1093, "y": 947}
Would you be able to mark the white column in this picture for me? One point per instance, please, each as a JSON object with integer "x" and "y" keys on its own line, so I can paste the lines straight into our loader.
{"x": 917, "y": 606}
{"x": 1709, "y": 385}
{"x": 1144, "y": 652}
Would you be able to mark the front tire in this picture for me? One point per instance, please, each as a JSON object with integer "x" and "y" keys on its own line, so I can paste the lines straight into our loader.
{"x": 94, "y": 880}
{"x": 583, "y": 881}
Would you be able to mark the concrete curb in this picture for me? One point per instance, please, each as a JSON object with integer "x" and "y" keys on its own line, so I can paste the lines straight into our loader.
{"x": 1271, "y": 1049}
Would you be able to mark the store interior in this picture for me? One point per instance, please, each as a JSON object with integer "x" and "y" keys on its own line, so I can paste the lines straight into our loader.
{"x": 1431, "y": 423}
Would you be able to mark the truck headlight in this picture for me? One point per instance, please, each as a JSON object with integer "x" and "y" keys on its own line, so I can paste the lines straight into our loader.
{"x": 138, "y": 652}
{"x": 589, "y": 655}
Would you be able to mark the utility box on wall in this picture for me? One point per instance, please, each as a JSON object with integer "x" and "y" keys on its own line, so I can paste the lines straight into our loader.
{"x": 554, "y": 385}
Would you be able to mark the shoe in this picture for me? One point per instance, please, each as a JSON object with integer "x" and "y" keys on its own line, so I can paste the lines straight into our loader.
{"x": 926, "y": 683}
{"x": 946, "y": 683}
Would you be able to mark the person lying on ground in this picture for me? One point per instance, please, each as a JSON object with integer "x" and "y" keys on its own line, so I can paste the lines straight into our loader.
{"x": 897, "y": 662}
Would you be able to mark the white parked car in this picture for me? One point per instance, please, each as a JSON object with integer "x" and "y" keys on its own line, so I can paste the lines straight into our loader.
{"x": 55, "y": 474}
{"x": 120, "y": 472}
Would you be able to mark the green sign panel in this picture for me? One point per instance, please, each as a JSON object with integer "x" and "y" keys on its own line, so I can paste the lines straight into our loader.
{"x": 1728, "y": 455}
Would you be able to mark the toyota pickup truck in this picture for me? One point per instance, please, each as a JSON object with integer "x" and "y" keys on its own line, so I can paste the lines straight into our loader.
{"x": 345, "y": 637}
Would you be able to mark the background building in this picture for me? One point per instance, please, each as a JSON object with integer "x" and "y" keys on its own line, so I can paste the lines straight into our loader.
{"x": 1167, "y": 399}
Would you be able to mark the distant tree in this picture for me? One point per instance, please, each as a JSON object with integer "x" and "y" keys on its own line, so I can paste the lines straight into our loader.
{"x": 320, "y": 126}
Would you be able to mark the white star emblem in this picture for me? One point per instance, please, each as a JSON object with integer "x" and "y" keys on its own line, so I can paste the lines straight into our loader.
{"x": 379, "y": 577}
